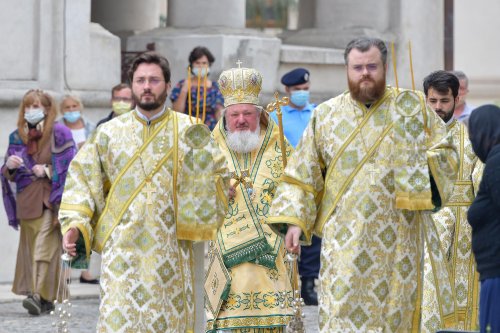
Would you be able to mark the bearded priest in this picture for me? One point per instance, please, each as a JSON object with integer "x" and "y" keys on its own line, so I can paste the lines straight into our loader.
{"x": 371, "y": 161}
{"x": 258, "y": 296}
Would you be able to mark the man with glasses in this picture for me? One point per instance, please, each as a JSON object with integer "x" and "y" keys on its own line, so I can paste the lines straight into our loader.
{"x": 369, "y": 161}
{"x": 130, "y": 196}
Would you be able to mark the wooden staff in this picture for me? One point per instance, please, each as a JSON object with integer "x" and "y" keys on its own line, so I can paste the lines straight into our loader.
{"x": 276, "y": 106}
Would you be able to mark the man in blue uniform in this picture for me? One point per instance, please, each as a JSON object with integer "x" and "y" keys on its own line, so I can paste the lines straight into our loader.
{"x": 295, "y": 118}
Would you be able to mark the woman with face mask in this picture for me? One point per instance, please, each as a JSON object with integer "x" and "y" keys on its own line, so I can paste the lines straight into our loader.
{"x": 81, "y": 128}
{"x": 37, "y": 160}
{"x": 484, "y": 213}
{"x": 200, "y": 61}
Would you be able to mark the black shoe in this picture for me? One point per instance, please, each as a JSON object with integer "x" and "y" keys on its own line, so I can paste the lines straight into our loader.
{"x": 33, "y": 305}
{"x": 307, "y": 291}
{"x": 46, "y": 306}
{"x": 84, "y": 280}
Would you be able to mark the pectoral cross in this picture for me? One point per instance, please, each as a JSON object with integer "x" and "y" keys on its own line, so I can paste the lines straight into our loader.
{"x": 373, "y": 171}
{"x": 245, "y": 180}
{"x": 149, "y": 189}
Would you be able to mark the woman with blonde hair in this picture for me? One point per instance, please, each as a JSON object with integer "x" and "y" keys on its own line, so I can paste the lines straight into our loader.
{"x": 71, "y": 110}
{"x": 81, "y": 129}
{"x": 37, "y": 160}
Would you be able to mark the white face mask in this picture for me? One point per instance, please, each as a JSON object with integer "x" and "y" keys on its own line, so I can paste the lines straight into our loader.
{"x": 202, "y": 71}
{"x": 34, "y": 115}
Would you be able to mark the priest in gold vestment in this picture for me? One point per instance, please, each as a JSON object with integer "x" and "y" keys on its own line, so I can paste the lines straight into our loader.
{"x": 149, "y": 183}
{"x": 441, "y": 91}
{"x": 259, "y": 295}
{"x": 371, "y": 162}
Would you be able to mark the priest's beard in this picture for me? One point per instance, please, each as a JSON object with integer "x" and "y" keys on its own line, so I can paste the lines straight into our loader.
{"x": 446, "y": 115}
{"x": 367, "y": 94}
{"x": 244, "y": 141}
{"x": 156, "y": 103}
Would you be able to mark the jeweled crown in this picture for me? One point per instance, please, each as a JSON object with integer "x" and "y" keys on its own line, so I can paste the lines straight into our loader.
{"x": 240, "y": 85}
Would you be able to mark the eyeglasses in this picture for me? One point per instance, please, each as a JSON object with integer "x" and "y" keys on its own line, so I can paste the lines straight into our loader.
{"x": 122, "y": 99}
{"x": 153, "y": 81}
{"x": 369, "y": 67}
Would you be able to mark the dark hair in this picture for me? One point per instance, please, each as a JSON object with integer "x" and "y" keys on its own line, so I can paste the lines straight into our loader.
{"x": 199, "y": 52}
{"x": 150, "y": 58}
{"x": 363, "y": 44}
{"x": 442, "y": 81}
{"x": 119, "y": 87}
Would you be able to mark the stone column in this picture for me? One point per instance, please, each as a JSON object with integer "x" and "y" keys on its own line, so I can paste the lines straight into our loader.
{"x": 307, "y": 14}
{"x": 124, "y": 18}
{"x": 219, "y": 26}
{"x": 202, "y": 13}
{"x": 126, "y": 15}
{"x": 339, "y": 21}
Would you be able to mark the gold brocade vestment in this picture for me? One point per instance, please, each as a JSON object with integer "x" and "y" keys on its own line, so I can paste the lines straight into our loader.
{"x": 120, "y": 194}
{"x": 355, "y": 181}
{"x": 253, "y": 253}
{"x": 455, "y": 237}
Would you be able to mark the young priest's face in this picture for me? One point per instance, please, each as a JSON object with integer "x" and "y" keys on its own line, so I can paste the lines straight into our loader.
{"x": 442, "y": 104}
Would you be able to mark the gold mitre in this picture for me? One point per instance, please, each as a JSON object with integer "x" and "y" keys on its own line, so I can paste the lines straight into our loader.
{"x": 240, "y": 85}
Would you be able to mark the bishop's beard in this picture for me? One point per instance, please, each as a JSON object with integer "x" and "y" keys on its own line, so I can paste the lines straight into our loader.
{"x": 244, "y": 141}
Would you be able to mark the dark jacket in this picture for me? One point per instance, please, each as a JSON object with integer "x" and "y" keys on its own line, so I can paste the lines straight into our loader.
{"x": 484, "y": 213}
{"x": 105, "y": 120}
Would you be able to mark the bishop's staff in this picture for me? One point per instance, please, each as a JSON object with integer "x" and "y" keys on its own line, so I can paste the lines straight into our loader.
{"x": 296, "y": 325}
{"x": 276, "y": 106}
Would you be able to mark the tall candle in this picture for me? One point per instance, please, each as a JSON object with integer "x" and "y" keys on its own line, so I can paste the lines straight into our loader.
{"x": 189, "y": 92}
{"x": 394, "y": 65}
{"x": 204, "y": 96}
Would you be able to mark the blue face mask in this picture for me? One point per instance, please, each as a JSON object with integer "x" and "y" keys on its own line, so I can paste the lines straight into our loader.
{"x": 202, "y": 71}
{"x": 72, "y": 116}
{"x": 300, "y": 97}
{"x": 34, "y": 116}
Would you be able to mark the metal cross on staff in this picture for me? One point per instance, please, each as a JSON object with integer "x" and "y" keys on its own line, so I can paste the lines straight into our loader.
{"x": 276, "y": 106}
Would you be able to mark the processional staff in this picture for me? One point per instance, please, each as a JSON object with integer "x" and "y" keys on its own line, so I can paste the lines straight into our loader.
{"x": 276, "y": 106}
{"x": 296, "y": 325}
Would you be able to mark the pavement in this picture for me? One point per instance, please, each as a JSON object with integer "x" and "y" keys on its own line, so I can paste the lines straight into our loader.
{"x": 85, "y": 310}
{"x": 15, "y": 319}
